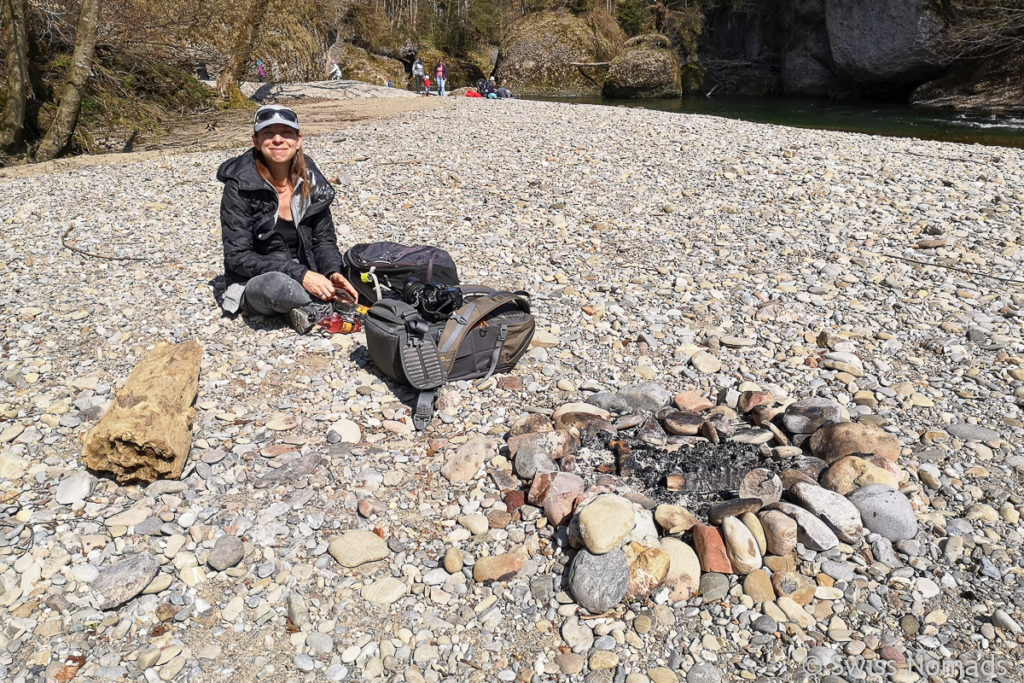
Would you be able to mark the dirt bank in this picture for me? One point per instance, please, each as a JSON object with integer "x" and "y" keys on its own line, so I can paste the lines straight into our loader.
{"x": 230, "y": 128}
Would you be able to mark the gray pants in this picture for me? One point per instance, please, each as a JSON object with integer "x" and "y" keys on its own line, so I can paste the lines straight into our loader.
{"x": 272, "y": 293}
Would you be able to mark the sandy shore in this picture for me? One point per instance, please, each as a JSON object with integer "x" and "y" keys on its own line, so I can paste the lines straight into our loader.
{"x": 644, "y": 237}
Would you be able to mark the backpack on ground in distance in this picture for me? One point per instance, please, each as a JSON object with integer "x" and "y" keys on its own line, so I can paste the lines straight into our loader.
{"x": 381, "y": 270}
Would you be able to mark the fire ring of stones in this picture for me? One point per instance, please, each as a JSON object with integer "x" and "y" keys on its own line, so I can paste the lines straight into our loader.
{"x": 663, "y": 497}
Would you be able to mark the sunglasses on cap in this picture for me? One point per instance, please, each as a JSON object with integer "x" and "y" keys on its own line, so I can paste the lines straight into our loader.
{"x": 269, "y": 115}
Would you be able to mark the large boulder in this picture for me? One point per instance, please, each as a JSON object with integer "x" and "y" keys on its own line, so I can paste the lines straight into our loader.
{"x": 883, "y": 43}
{"x": 537, "y": 55}
{"x": 359, "y": 65}
{"x": 806, "y": 68}
{"x": 648, "y": 68}
{"x": 802, "y": 74}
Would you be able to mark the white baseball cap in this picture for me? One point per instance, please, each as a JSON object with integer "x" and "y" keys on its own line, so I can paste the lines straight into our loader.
{"x": 271, "y": 114}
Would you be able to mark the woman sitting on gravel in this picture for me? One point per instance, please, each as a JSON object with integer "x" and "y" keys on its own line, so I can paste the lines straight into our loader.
{"x": 280, "y": 250}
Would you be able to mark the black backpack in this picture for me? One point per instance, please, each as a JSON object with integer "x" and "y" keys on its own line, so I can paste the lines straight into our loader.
{"x": 487, "y": 335}
{"x": 382, "y": 270}
{"x": 481, "y": 86}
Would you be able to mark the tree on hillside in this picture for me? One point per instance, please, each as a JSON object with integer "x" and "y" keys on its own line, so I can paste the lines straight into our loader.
{"x": 12, "y": 125}
{"x": 227, "y": 82}
{"x": 983, "y": 28}
{"x": 66, "y": 118}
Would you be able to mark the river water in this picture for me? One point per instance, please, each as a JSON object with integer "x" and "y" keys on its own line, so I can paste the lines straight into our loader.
{"x": 871, "y": 118}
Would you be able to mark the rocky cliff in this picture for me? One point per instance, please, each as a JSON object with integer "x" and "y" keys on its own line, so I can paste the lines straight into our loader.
{"x": 858, "y": 48}
{"x": 539, "y": 53}
{"x": 883, "y": 44}
{"x": 850, "y": 49}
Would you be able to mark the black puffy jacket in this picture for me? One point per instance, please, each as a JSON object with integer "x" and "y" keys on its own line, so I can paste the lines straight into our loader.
{"x": 248, "y": 220}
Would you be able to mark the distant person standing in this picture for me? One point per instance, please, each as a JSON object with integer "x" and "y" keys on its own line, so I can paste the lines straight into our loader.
{"x": 441, "y": 76}
{"x": 261, "y": 71}
{"x": 418, "y": 73}
{"x": 335, "y": 71}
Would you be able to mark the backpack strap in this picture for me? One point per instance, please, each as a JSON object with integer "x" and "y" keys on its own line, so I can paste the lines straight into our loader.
{"x": 423, "y": 367}
{"x": 370, "y": 277}
{"x": 463, "y": 321}
{"x": 496, "y": 354}
{"x": 424, "y": 412}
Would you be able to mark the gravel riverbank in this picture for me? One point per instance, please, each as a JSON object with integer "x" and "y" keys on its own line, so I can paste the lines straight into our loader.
{"x": 644, "y": 238}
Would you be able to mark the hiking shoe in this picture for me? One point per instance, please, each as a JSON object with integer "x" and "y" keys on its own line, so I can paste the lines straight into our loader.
{"x": 303, "y": 318}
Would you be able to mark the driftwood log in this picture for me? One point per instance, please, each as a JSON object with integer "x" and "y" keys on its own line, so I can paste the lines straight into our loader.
{"x": 147, "y": 433}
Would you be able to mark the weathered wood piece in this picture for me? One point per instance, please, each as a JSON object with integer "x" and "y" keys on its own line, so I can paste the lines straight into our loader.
{"x": 147, "y": 433}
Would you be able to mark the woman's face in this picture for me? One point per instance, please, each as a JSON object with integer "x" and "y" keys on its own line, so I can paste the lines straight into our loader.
{"x": 278, "y": 143}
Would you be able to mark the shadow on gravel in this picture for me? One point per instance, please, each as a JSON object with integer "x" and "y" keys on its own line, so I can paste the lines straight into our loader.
{"x": 358, "y": 356}
{"x": 403, "y": 392}
{"x": 263, "y": 92}
{"x": 255, "y": 322}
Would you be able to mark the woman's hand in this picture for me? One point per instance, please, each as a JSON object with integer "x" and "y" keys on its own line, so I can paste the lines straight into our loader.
{"x": 317, "y": 285}
{"x": 339, "y": 282}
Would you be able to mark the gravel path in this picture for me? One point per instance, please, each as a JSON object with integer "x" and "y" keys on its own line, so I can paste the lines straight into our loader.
{"x": 643, "y": 237}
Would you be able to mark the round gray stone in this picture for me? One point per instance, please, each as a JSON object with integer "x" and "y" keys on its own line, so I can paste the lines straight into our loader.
{"x": 713, "y": 586}
{"x": 650, "y": 396}
{"x": 765, "y": 624}
{"x": 608, "y": 401}
{"x": 336, "y": 672}
{"x": 885, "y": 511}
{"x": 598, "y": 582}
{"x": 810, "y": 414}
{"x": 227, "y": 552}
{"x": 304, "y": 662}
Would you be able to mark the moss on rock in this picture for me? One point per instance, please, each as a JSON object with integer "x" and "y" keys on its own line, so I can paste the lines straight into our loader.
{"x": 358, "y": 64}
{"x": 484, "y": 58}
{"x": 649, "y": 40}
{"x": 289, "y": 48}
{"x": 644, "y": 71}
{"x": 537, "y": 55}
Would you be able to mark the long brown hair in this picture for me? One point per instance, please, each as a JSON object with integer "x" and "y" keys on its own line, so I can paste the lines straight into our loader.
{"x": 297, "y": 170}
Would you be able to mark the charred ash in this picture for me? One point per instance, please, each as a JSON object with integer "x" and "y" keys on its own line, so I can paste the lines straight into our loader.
{"x": 691, "y": 472}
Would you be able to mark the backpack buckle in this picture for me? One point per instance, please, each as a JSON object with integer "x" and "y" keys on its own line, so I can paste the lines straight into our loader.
{"x": 424, "y": 412}
{"x": 417, "y": 326}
